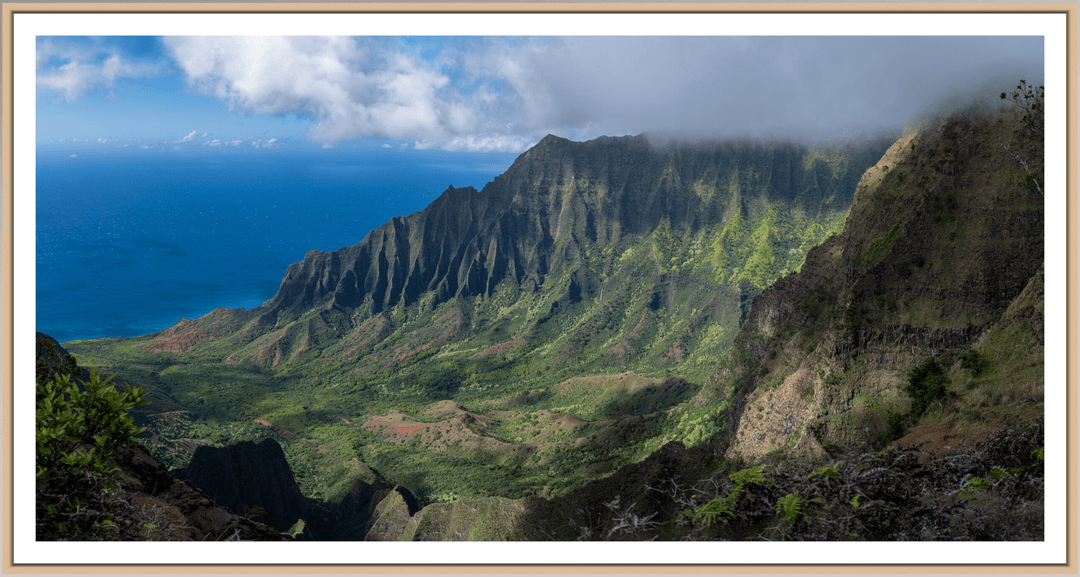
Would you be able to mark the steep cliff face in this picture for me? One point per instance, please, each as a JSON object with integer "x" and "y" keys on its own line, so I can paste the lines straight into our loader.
{"x": 943, "y": 236}
{"x": 177, "y": 510}
{"x": 567, "y": 222}
{"x": 533, "y": 218}
{"x": 249, "y": 479}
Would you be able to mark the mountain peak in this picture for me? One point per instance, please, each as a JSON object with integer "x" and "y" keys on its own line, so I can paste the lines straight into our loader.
{"x": 551, "y": 139}
{"x": 556, "y": 213}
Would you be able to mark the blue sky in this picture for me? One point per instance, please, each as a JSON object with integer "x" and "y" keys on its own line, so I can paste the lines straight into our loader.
{"x": 500, "y": 94}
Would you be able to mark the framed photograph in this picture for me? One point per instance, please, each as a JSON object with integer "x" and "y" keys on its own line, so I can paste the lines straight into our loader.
{"x": 541, "y": 287}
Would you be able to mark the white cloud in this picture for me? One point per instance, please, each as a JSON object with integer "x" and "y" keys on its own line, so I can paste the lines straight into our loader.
{"x": 481, "y": 143}
{"x": 501, "y": 94}
{"x": 72, "y": 156}
{"x": 349, "y": 88}
{"x": 744, "y": 85}
{"x": 214, "y": 142}
{"x": 85, "y": 70}
{"x": 187, "y": 138}
{"x": 236, "y": 142}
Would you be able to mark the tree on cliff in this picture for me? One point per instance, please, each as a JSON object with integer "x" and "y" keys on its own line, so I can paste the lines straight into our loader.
{"x": 79, "y": 425}
{"x": 1029, "y": 99}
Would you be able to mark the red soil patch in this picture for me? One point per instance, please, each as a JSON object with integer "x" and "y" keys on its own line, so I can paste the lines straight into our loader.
{"x": 399, "y": 425}
{"x": 639, "y": 326}
{"x": 623, "y": 348}
{"x": 617, "y": 354}
{"x": 560, "y": 423}
{"x": 263, "y": 349}
{"x": 458, "y": 434}
{"x": 172, "y": 419}
{"x": 247, "y": 333}
{"x": 376, "y": 331}
{"x": 449, "y": 323}
{"x": 676, "y": 352}
{"x": 394, "y": 422}
{"x": 942, "y": 439}
{"x": 503, "y": 347}
{"x": 444, "y": 408}
{"x": 178, "y": 338}
{"x": 951, "y": 432}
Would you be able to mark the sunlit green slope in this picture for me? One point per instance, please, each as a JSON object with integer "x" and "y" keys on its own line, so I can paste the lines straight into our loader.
{"x": 442, "y": 349}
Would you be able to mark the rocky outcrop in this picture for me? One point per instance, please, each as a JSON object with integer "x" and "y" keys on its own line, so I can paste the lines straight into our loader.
{"x": 249, "y": 479}
{"x": 177, "y": 511}
{"x": 53, "y": 359}
{"x": 392, "y": 513}
{"x": 255, "y": 480}
{"x": 491, "y": 519}
{"x": 942, "y": 238}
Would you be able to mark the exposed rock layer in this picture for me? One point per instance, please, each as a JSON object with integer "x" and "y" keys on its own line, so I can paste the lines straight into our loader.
{"x": 943, "y": 236}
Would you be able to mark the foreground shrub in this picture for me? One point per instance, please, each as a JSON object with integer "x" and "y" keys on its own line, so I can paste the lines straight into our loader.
{"x": 992, "y": 491}
{"x": 78, "y": 428}
{"x": 988, "y": 491}
{"x": 927, "y": 384}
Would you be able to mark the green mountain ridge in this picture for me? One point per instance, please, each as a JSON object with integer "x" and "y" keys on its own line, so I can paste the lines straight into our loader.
{"x": 566, "y": 222}
{"x": 609, "y": 257}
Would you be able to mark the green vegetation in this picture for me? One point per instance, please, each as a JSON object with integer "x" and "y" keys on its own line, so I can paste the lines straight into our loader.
{"x": 658, "y": 317}
{"x": 78, "y": 428}
{"x": 712, "y": 512}
{"x": 927, "y": 384}
{"x": 888, "y": 495}
{"x": 620, "y": 355}
{"x": 1029, "y": 99}
{"x": 790, "y": 507}
{"x": 974, "y": 362}
{"x": 879, "y": 248}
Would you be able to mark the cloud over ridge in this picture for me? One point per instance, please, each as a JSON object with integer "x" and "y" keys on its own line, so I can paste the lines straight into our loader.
{"x": 505, "y": 93}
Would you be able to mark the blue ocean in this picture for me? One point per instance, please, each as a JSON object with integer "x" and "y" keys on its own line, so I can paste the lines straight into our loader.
{"x": 128, "y": 244}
